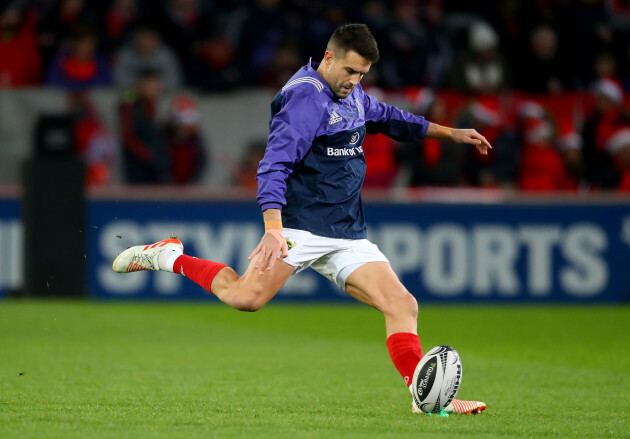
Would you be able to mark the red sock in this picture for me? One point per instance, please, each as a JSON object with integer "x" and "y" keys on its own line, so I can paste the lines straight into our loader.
{"x": 199, "y": 271}
{"x": 405, "y": 351}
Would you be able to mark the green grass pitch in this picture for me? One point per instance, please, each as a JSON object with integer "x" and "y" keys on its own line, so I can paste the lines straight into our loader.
{"x": 103, "y": 370}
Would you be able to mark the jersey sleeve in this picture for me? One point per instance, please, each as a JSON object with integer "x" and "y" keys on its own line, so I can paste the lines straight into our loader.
{"x": 393, "y": 122}
{"x": 291, "y": 133}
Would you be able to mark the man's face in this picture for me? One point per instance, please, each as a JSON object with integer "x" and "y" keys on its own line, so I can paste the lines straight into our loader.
{"x": 344, "y": 71}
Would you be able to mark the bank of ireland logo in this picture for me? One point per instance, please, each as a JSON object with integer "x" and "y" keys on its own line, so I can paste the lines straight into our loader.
{"x": 355, "y": 138}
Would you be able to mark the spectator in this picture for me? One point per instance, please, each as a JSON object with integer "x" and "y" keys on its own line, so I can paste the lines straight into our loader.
{"x": 589, "y": 34}
{"x": 80, "y": 66}
{"x": 320, "y": 20}
{"x": 432, "y": 162}
{"x": 144, "y": 144}
{"x": 542, "y": 70}
{"x": 602, "y": 141}
{"x": 146, "y": 52}
{"x": 185, "y": 145}
{"x": 500, "y": 167}
{"x": 262, "y": 33}
{"x": 215, "y": 65}
{"x": 375, "y": 14}
{"x": 542, "y": 167}
{"x": 569, "y": 143}
{"x": 439, "y": 50}
{"x": 57, "y": 25}
{"x": 20, "y": 63}
{"x": 606, "y": 67}
{"x": 480, "y": 69}
{"x": 617, "y": 146}
{"x": 404, "y": 53}
{"x": 93, "y": 141}
{"x": 286, "y": 60}
{"x": 183, "y": 25}
{"x": 512, "y": 21}
{"x": 121, "y": 17}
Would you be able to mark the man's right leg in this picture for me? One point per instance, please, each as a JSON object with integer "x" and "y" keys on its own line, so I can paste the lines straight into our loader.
{"x": 248, "y": 292}
{"x": 376, "y": 284}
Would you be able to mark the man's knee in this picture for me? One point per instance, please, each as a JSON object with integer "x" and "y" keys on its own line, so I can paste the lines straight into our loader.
{"x": 249, "y": 305}
{"x": 401, "y": 302}
{"x": 249, "y": 300}
{"x": 413, "y": 304}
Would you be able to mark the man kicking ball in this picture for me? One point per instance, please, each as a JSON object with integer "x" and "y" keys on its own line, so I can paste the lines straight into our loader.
{"x": 309, "y": 191}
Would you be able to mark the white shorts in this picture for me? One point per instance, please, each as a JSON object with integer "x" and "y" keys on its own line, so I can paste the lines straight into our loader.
{"x": 334, "y": 258}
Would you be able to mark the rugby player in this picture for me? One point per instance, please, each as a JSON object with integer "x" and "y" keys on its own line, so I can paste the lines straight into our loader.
{"x": 309, "y": 184}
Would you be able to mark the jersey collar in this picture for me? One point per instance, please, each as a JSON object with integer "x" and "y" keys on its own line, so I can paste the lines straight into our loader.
{"x": 311, "y": 68}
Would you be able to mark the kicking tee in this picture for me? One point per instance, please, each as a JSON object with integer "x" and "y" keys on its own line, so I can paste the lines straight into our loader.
{"x": 314, "y": 163}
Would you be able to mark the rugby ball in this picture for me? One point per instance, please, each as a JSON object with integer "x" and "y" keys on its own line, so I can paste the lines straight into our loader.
{"x": 436, "y": 379}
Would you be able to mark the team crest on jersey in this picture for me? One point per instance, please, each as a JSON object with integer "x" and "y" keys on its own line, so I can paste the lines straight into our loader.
{"x": 290, "y": 244}
{"x": 355, "y": 138}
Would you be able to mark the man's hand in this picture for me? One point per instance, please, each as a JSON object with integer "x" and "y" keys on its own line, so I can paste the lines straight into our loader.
{"x": 272, "y": 246}
{"x": 473, "y": 137}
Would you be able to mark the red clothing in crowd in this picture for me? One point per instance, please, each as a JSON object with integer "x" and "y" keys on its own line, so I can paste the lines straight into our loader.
{"x": 184, "y": 142}
{"x": 20, "y": 63}
{"x": 93, "y": 143}
{"x": 543, "y": 169}
{"x": 381, "y": 164}
{"x": 187, "y": 156}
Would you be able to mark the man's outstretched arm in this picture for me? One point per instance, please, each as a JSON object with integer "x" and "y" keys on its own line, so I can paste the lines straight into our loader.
{"x": 470, "y": 136}
{"x": 404, "y": 126}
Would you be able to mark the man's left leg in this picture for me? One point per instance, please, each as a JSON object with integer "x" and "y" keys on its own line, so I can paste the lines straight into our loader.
{"x": 376, "y": 284}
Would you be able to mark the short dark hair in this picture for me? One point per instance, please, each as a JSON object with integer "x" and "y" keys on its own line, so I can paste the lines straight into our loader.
{"x": 356, "y": 37}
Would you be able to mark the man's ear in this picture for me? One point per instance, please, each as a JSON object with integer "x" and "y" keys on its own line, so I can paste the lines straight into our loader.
{"x": 329, "y": 56}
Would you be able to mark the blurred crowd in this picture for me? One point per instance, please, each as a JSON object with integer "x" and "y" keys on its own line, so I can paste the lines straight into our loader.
{"x": 155, "y": 151}
{"x": 540, "y": 46}
{"x": 567, "y": 142}
{"x": 482, "y": 50}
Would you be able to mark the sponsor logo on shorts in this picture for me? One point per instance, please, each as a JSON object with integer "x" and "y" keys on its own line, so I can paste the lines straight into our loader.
{"x": 290, "y": 244}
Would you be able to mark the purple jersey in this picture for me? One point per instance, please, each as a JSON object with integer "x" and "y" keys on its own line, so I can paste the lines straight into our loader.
{"x": 314, "y": 166}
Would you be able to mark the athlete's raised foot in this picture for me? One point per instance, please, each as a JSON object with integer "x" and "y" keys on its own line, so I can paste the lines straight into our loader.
{"x": 145, "y": 257}
{"x": 458, "y": 406}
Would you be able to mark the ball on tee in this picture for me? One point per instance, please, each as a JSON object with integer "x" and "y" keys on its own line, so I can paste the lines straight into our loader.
{"x": 436, "y": 379}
